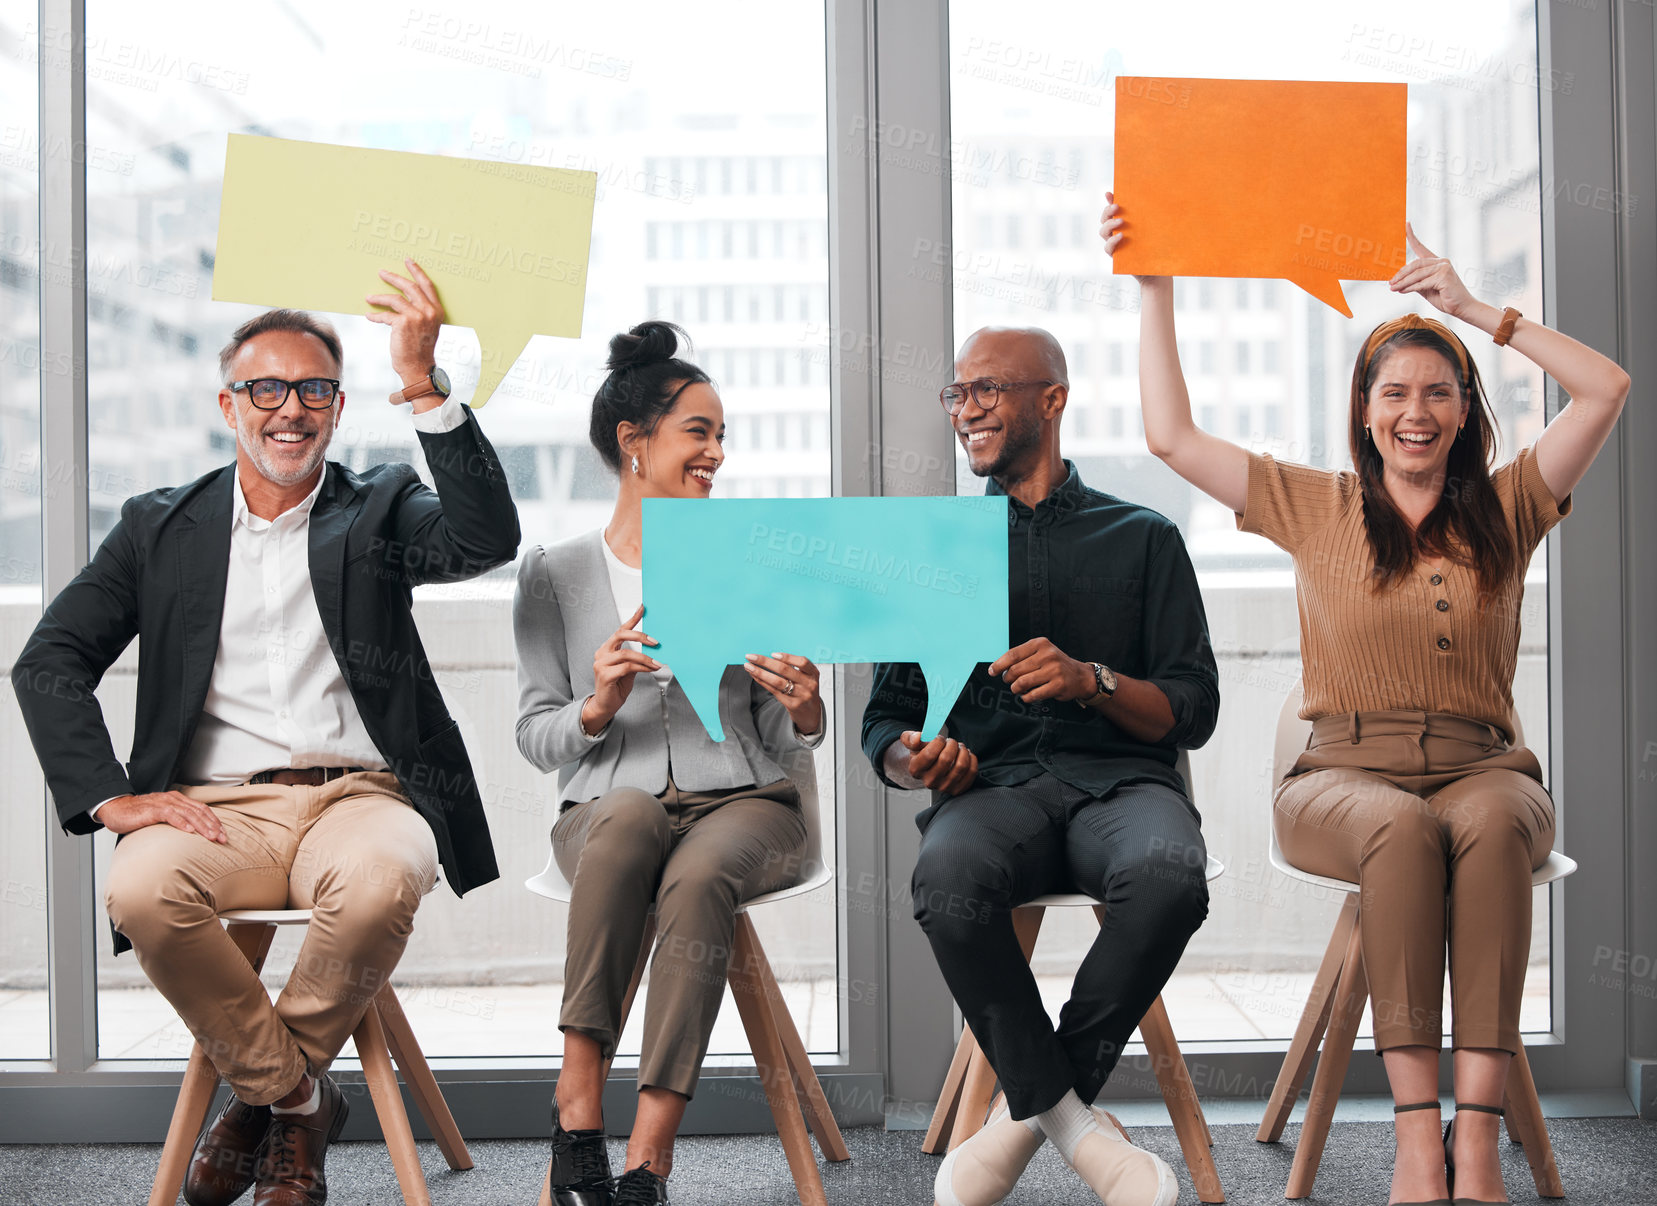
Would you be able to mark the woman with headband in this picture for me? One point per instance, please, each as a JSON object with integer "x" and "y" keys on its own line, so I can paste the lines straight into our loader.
{"x": 1409, "y": 573}
{"x": 653, "y": 812}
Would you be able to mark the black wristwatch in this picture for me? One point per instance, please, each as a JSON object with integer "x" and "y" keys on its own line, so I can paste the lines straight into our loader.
{"x": 1105, "y": 679}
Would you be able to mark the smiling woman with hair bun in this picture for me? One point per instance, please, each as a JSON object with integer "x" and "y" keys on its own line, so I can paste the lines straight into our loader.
{"x": 1409, "y": 572}
{"x": 653, "y": 812}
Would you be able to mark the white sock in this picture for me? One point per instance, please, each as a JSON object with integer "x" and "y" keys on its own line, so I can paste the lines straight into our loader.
{"x": 310, "y": 1107}
{"x": 1066, "y": 1123}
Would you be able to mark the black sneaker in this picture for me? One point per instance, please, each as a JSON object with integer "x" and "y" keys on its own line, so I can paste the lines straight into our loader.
{"x": 641, "y": 1187}
{"x": 579, "y": 1174}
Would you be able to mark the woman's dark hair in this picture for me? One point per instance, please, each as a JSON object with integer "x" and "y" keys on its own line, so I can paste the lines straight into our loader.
{"x": 1467, "y": 524}
{"x": 646, "y": 379}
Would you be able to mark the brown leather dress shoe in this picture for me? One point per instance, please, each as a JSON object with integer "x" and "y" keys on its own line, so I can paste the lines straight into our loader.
{"x": 227, "y": 1155}
{"x": 290, "y": 1174}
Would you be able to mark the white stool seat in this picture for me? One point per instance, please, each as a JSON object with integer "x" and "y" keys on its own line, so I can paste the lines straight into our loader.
{"x": 267, "y": 916}
{"x": 1557, "y": 866}
{"x": 801, "y": 767}
{"x": 1081, "y": 900}
{"x": 551, "y": 884}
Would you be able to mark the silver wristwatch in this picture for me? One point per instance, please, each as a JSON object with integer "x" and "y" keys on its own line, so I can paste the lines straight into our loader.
{"x": 1105, "y": 679}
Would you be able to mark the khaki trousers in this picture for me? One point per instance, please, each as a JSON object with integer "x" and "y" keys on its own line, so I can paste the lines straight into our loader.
{"x": 693, "y": 856}
{"x": 353, "y": 850}
{"x": 1440, "y": 822}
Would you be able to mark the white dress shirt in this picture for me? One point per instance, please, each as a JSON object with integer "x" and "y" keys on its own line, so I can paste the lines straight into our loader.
{"x": 276, "y": 697}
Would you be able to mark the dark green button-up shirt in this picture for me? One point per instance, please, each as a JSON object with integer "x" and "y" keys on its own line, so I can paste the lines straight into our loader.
{"x": 1106, "y": 581}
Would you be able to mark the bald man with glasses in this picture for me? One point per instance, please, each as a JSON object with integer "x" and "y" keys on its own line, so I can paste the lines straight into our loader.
{"x": 291, "y": 747}
{"x": 1056, "y": 773}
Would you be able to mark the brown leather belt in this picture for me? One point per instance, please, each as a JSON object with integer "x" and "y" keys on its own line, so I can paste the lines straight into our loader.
{"x": 310, "y": 776}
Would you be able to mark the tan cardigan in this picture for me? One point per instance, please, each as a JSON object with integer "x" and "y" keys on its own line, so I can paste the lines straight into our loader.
{"x": 1430, "y": 644}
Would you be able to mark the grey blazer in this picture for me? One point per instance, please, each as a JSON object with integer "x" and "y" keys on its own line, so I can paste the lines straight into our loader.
{"x": 562, "y": 613}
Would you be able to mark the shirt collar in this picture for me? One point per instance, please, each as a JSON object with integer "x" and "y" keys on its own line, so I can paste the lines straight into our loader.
{"x": 1062, "y": 497}
{"x": 241, "y": 515}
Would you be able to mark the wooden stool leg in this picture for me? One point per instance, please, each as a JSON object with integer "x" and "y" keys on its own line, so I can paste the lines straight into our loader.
{"x": 201, "y": 1081}
{"x": 195, "y": 1097}
{"x": 1314, "y": 1019}
{"x": 1350, "y": 994}
{"x": 417, "y": 1073}
{"x": 949, "y": 1098}
{"x": 817, "y": 1113}
{"x": 977, "y": 1087}
{"x": 772, "y": 1063}
{"x": 978, "y": 1081}
{"x": 374, "y": 1053}
{"x": 1524, "y": 1115}
{"x": 1180, "y": 1096}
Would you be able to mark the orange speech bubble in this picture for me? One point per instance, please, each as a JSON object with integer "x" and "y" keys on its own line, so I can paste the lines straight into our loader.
{"x": 1272, "y": 178}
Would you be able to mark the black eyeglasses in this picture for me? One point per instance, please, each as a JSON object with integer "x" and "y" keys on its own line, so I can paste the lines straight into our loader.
{"x": 271, "y": 393}
{"x": 985, "y": 392}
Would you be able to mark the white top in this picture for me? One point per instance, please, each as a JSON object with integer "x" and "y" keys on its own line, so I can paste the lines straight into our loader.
{"x": 277, "y": 697}
{"x": 627, "y": 585}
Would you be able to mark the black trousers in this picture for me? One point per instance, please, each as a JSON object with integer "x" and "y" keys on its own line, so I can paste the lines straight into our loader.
{"x": 1140, "y": 852}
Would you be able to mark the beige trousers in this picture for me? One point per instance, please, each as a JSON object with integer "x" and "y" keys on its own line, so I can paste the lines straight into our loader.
{"x": 353, "y": 850}
{"x": 693, "y": 856}
{"x": 1440, "y": 822}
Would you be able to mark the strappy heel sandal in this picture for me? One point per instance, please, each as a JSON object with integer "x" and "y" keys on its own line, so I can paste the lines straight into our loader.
{"x": 1405, "y": 1109}
{"x": 1449, "y": 1160}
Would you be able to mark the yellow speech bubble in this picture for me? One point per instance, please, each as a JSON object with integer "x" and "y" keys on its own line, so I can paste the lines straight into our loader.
{"x": 310, "y": 225}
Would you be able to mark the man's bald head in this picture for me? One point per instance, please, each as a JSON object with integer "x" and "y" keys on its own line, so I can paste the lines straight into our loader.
{"x": 1013, "y": 435}
{"x": 1011, "y": 354}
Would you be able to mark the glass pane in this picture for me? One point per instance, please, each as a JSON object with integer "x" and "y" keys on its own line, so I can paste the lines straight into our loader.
{"x": 712, "y": 211}
{"x": 1268, "y": 367}
{"x": 25, "y": 1032}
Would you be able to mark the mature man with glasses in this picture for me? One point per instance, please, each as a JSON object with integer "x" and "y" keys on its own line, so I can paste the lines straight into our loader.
{"x": 291, "y": 747}
{"x": 1056, "y": 773}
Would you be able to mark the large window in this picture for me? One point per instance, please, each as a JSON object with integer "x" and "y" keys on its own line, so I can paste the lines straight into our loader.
{"x": 1269, "y": 367}
{"x": 711, "y": 211}
{"x": 707, "y": 126}
{"x": 24, "y": 1033}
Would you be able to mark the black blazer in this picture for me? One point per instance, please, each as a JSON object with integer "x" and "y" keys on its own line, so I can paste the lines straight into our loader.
{"x": 160, "y": 576}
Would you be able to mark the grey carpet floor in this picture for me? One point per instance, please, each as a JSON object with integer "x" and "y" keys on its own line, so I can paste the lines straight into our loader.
{"x": 1602, "y": 1161}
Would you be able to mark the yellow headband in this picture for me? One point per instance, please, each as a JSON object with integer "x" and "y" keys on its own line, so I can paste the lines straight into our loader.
{"x": 1415, "y": 322}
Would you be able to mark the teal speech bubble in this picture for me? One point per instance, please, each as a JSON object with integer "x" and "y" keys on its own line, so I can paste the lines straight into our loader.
{"x": 833, "y": 579}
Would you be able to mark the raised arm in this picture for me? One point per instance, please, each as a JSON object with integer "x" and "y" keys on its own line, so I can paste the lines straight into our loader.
{"x": 1596, "y": 384}
{"x": 1215, "y": 466}
{"x": 469, "y": 524}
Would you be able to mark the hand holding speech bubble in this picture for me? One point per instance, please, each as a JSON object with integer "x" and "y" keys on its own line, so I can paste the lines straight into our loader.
{"x": 310, "y": 225}
{"x": 834, "y": 579}
{"x": 1272, "y": 178}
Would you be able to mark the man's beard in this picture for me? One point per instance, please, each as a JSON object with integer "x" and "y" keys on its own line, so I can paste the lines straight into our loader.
{"x": 1018, "y": 438}
{"x": 253, "y": 443}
